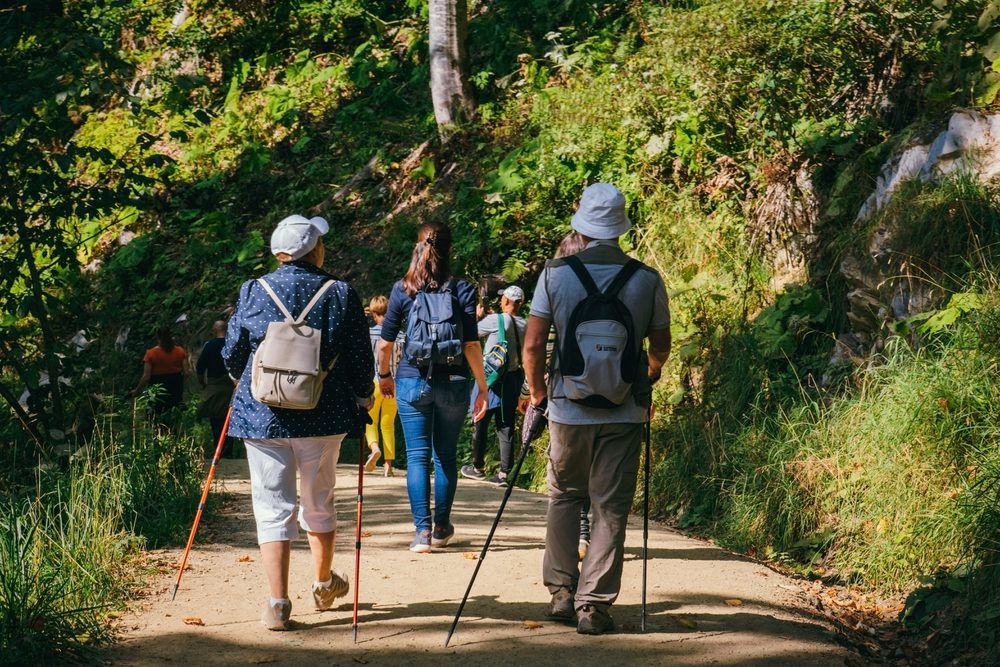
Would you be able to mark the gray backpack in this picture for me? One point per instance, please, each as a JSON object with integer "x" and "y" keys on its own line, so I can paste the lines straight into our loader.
{"x": 286, "y": 366}
{"x": 599, "y": 351}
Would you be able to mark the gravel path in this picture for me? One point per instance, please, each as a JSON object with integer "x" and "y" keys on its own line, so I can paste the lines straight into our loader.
{"x": 705, "y": 605}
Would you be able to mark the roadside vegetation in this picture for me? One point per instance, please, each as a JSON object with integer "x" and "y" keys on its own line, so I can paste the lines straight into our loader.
{"x": 152, "y": 147}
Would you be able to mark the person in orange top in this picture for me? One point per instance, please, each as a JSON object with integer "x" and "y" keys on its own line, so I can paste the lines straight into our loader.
{"x": 164, "y": 365}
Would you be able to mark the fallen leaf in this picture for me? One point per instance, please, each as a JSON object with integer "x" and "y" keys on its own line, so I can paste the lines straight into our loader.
{"x": 193, "y": 620}
{"x": 684, "y": 622}
{"x": 111, "y": 615}
{"x": 850, "y": 619}
{"x": 246, "y": 559}
{"x": 734, "y": 602}
{"x": 532, "y": 625}
{"x": 366, "y": 534}
{"x": 468, "y": 555}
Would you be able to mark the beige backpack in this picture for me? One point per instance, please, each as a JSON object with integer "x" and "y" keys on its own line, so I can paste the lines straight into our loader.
{"x": 286, "y": 366}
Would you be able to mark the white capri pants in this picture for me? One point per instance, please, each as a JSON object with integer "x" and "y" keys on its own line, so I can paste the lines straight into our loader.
{"x": 273, "y": 464}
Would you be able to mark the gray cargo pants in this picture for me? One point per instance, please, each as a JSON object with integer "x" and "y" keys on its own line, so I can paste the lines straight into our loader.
{"x": 603, "y": 460}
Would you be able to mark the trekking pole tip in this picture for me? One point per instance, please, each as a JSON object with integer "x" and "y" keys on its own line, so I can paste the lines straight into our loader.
{"x": 174, "y": 594}
{"x": 355, "y": 633}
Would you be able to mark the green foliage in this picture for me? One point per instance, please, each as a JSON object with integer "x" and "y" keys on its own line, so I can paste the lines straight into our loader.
{"x": 933, "y": 322}
{"x": 69, "y": 545}
{"x": 949, "y": 228}
{"x": 794, "y": 314}
{"x": 44, "y": 620}
{"x": 160, "y": 154}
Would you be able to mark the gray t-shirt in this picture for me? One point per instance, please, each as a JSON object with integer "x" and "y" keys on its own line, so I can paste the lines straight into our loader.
{"x": 559, "y": 290}
{"x": 489, "y": 327}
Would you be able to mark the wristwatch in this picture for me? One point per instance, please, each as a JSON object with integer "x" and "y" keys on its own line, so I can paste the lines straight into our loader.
{"x": 383, "y": 376}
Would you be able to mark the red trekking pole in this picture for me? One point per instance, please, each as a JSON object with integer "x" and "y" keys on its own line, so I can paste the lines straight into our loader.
{"x": 364, "y": 419}
{"x": 204, "y": 497}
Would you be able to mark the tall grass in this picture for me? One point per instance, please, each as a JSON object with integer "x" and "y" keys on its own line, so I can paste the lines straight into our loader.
{"x": 70, "y": 552}
{"x": 891, "y": 482}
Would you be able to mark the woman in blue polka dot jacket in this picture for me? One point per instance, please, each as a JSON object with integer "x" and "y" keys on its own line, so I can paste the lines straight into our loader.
{"x": 280, "y": 441}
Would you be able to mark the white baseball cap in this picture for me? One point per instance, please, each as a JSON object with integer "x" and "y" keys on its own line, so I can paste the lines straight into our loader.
{"x": 513, "y": 292}
{"x": 601, "y": 214}
{"x": 296, "y": 235}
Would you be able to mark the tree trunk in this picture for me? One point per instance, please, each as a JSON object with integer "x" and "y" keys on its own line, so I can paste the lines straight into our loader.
{"x": 41, "y": 312}
{"x": 450, "y": 91}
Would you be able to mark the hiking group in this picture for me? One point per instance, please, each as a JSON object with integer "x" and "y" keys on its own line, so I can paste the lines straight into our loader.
{"x": 301, "y": 352}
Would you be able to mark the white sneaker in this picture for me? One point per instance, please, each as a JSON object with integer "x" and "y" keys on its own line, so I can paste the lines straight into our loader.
{"x": 372, "y": 458}
{"x": 275, "y": 616}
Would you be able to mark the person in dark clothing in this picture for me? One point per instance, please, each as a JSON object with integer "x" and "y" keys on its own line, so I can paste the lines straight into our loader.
{"x": 217, "y": 388}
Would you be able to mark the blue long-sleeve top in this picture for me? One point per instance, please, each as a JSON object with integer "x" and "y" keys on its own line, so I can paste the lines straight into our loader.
{"x": 341, "y": 319}
{"x": 399, "y": 307}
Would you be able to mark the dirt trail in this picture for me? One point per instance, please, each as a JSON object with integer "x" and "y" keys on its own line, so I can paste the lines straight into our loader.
{"x": 705, "y": 605}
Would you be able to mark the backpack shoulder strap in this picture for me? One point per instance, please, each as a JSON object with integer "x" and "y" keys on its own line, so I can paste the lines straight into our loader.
{"x": 276, "y": 300}
{"x": 312, "y": 302}
{"x": 573, "y": 262}
{"x": 623, "y": 276}
{"x": 501, "y": 334}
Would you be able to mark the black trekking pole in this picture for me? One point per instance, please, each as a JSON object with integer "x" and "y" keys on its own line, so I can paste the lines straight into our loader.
{"x": 534, "y": 424}
{"x": 511, "y": 480}
{"x": 645, "y": 528}
{"x": 363, "y": 420}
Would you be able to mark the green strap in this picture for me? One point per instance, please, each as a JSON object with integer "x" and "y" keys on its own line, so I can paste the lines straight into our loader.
{"x": 501, "y": 334}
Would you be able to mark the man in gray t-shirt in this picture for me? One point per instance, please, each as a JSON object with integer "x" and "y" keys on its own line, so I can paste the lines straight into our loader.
{"x": 593, "y": 452}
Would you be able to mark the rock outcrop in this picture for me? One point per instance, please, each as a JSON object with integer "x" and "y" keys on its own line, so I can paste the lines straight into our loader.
{"x": 882, "y": 289}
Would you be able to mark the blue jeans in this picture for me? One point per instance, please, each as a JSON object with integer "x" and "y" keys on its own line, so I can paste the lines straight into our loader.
{"x": 432, "y": 415}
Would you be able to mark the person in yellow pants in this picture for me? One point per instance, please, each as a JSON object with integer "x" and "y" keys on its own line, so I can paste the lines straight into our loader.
{"x": 383, "y": 412}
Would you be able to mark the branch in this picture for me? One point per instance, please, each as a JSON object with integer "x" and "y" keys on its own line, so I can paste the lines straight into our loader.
{"x": 352, "y": 185}
{"x": 24, "y": 418}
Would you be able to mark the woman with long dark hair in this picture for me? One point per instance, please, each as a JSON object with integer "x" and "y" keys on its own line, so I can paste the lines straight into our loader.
{"x": 432, "y": 397}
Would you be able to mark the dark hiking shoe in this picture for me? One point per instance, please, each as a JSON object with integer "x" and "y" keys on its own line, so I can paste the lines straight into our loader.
{"x": 561, "y": 607}
{"x": 499, "y": 479}
{"x": 593, "y": 621}
{"x": 442, "y": 535}
{"x": 421, "y": 543}
{"x": 472, "y": 472}
{"x": 275, "y": 616}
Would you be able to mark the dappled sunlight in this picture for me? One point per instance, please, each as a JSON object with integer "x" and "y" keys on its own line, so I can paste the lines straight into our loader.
{"x": 703, "y": 603}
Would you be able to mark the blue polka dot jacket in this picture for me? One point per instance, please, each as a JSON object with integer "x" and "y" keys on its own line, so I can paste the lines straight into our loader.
{"x": 341, "y": 319}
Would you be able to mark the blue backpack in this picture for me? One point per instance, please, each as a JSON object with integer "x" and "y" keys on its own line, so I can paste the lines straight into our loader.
{"x": 434, "y": 329}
